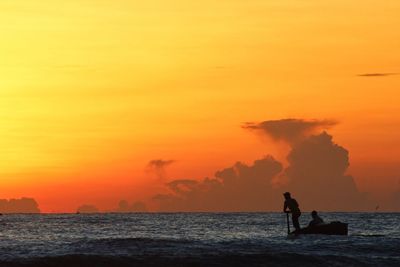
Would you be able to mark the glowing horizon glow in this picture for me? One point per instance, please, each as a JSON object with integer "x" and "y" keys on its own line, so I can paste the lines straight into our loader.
{"x": 91, "y": 91}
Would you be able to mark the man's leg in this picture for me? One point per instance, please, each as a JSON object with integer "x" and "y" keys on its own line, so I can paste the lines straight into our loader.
{"x": 295, "y": 220}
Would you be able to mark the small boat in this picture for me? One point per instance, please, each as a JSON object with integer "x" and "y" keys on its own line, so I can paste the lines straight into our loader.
{"x": 333, "y": 228}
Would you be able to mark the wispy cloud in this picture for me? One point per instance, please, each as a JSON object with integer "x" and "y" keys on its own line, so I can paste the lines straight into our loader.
{"x": 289, "y": 130}
{"x": 377, "y": 74}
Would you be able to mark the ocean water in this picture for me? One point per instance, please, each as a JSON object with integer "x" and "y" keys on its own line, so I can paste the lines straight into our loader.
{"x": 194, "y": 239}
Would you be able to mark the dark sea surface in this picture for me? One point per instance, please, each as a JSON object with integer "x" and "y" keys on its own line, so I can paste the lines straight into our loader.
{"x": 194, "y": 239}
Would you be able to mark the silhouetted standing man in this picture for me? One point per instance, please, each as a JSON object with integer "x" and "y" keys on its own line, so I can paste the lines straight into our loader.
{"x": 293, "y": 206}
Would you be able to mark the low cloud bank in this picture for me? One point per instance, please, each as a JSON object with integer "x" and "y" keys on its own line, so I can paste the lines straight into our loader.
{"x": 124, "y": 207}
{"x": 87, "y": 209}
{"x": 22, "y": 205}
{"x": 316, "y": 176}
{"x": 240, "y": 187}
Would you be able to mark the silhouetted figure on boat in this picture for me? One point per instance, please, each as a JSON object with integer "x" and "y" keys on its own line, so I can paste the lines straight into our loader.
{"x": 316, "y": 219}
{"x": 293, "y": 206}
{"x": 318, "y": 227}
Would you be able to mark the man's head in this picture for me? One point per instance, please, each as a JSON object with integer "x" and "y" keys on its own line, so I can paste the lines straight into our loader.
{"x": 287, "y": 195}
{"x": 314, "y": 214}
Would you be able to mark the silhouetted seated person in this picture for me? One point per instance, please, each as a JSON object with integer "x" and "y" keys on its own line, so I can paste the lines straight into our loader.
{"x": 293, "y": 206}
{"x": 316, "y": 219}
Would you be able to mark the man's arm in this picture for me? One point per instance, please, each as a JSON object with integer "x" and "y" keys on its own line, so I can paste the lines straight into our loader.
{"x": 285, "y": 206}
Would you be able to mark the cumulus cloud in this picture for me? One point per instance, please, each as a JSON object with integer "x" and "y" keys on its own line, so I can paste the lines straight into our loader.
{"x": 377, "y": 74}
{"x": 316, "y": 176}
{"x": 158, "y": 166}
{"x": 87, "y": 209}
{"x": 289, "y": 130}
{"x": 22, "y": 205}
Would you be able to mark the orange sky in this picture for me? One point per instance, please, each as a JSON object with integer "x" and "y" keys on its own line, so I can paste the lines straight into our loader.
{"x": 91, "y": 91}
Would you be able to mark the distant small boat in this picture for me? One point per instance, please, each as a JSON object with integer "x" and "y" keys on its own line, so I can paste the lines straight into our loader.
{"x": 333, "y": 228}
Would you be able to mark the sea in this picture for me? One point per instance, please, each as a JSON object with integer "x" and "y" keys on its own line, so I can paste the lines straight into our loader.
{"x": 194, "y": 239}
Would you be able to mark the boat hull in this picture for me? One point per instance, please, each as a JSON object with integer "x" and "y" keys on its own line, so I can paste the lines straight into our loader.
{"x": 333, "y": 228}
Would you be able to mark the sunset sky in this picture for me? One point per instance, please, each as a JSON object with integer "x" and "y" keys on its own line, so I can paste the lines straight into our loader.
{"x": 92, "y": 90}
